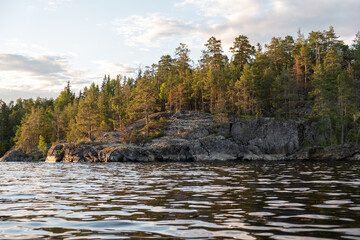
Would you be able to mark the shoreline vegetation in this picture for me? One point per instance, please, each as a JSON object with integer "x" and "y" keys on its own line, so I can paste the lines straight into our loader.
{"x": 293, "y": 99}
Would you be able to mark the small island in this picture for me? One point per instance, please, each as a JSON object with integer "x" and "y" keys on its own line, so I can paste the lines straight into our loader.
{"x": 294, "y": 99}
{"x": 185, "y": 119}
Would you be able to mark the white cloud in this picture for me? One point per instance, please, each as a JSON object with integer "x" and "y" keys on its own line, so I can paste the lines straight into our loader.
{"x": 17, "y": 46}
{"x": 53, "y": 5}
{"x": 151, "y": 30}
{"x": 260, "y": 20}
{"x": 46, "y": 75}
{"x": 213, "y": 8}
{"x": 32, "y": 72}
{"x": 35, "y": 66}
{"x": 109, "y": 68}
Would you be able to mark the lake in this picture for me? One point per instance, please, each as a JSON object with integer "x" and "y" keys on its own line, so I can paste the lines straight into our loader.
{"x": 202, "y": 200}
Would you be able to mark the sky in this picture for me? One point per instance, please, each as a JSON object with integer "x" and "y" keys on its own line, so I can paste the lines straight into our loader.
{"x": 45, "y": 43}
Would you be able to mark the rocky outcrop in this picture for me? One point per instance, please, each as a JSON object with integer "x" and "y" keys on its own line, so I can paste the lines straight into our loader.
{"x": 189, "y": 125}
{"x": 268, "y": 135}
{"x": 328, "y": 153}
{"x": 167, "y": 149}
{"x": 72, "y": 152}
{"x": 16, "y": 156}
{"x": 192, "y": 136}
{"x": 125, "y": 153}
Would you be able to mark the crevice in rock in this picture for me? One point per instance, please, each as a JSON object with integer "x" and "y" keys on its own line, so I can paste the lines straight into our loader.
{"x": 204, "y": 147}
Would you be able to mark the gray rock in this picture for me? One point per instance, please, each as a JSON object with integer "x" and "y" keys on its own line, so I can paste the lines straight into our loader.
{"x": 269, "y": 135}
{"x": 16, "y": 156}
{"x": 345, "y": 152}
{"x": 356, "y": 157}
{"x": 72, "y": 152}
{"x": 189, "y": 125}
{"x": 55, "y": 153}
{"x": 219, "y": 148}
{"x": 171, "y": 152}
{"x": 125, "y": 153}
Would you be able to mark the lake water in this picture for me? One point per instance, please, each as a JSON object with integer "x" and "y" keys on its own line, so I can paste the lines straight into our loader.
{"x": 237, "y": 200}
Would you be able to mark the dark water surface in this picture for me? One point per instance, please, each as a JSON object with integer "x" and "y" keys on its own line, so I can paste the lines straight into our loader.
{"x": 244, "y": 200}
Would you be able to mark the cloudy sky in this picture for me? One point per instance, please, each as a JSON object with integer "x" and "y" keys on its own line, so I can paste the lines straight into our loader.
{"x": 45, "y": 43}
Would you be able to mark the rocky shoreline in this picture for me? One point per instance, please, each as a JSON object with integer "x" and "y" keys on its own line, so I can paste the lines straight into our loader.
{"x": 192, "y": 136}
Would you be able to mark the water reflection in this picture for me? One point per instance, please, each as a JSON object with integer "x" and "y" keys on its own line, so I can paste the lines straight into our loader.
{"x": 266, "y": 200}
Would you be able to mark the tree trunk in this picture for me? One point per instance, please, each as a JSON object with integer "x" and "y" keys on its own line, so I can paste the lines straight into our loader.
{"x": 305, "y": 79}
{"x": 58, "y": 131}
{"x": 342, "y": 133}
{"x": 202, "y": 100}
{"x": 331, "y": 131}
{"x": 147, "y": 118}
{"x": 90, "y": 133}
{"x": 147, "y": 124}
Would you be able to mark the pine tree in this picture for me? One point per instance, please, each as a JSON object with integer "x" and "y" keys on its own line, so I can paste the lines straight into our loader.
{"x": 87, "y": 118}
{"x": 28, "y": 133}
{"x": 144, "y": 101}
{"x": 182, "y": 66}
{"x": 42, "y": 145}
{"x": 305, "y": 61}
{"x": 316, "y": 42}
{"x": 242, "y": 51}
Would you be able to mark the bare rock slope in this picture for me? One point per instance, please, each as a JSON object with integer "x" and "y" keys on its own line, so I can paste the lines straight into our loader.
{"x": 192, "y": 136}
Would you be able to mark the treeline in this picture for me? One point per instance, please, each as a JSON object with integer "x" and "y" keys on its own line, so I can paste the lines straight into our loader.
{"x": 316, "y": 76}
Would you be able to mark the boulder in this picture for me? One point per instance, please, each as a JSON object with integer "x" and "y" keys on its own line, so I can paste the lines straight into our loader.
{"x": 55, "y": 153}
{"x": 269, "y": 135}
{"x": 72, "y": 152}
{"x": 16, "y": 156}
{"x": 171, "y": 151}
{"x": 326, "y": 154}
{"x": 332, "y": 153}
{"x": 217, "y": 148}
{"x": 355, "y": 157}
{"x": 125, "y": 153}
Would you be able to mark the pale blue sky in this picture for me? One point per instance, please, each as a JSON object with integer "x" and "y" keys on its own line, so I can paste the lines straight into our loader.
{"x": 44, "y": 43}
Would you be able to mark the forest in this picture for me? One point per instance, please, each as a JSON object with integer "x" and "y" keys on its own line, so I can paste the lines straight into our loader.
{"x": 315, "y": 77}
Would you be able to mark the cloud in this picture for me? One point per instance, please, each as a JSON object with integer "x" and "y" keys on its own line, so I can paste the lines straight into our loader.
{"x": 8, "y": 95}
{"x": 46, "y": 75}
{"x": 111, "y": 67}
{"x": 262, "y": 19}
{"x": 108, "y": 68}
{"x": 53, "y": 5}
{"x": 20, "y": 72}
{"x": 212, "y": 8}
{"x": 43, "y": 65}
{"x": 150, "y": 30}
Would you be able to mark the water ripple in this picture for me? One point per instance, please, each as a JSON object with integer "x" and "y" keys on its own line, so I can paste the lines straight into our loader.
{"x": 272, "y": 200}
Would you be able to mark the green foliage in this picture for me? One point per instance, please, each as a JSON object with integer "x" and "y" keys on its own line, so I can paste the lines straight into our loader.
{"x": 140, "y": 135}
{"x": 135, "y": 137}
{"x": 42, "y": 145}
{"x": 34, "y": 124}
{"x": 307, "y": 142}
